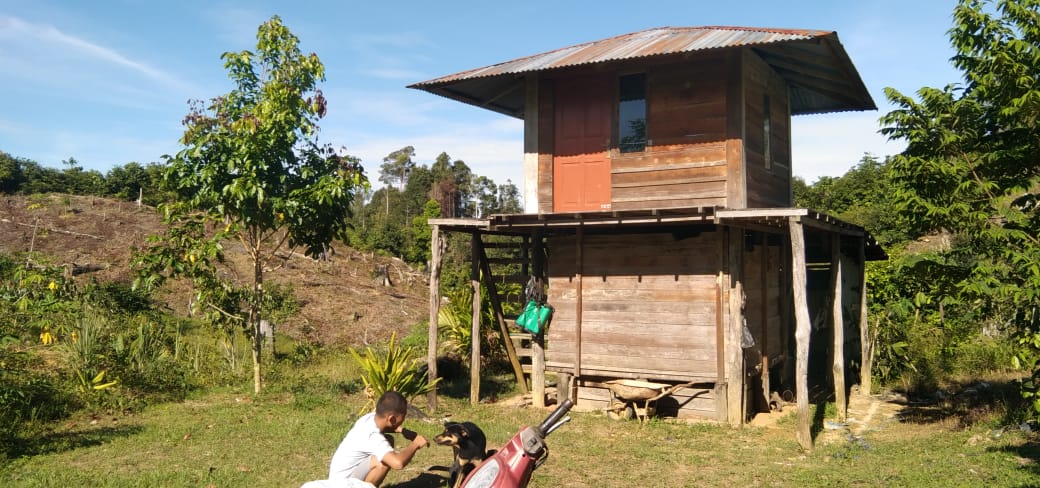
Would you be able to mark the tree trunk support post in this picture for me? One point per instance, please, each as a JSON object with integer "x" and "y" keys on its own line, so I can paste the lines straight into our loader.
{"x": 474, "y": 365}
{"x": 736, "y": 408}
{"x": 436, "y": 245}
{"x": 537, "y": 270}
{"x": 841, "y": 403}
{"x": 579, "y": 267}
{"x": 802, "y": 327}
{"x": 865, "y": 340}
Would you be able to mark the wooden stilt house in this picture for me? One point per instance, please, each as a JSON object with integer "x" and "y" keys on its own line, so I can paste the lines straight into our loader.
{"x": 658, "y": 201}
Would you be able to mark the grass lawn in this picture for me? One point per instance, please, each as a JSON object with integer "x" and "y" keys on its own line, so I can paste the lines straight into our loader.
{"x": 228, "y": 438}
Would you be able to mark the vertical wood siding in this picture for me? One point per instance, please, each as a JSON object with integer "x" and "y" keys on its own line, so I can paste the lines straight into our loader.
{"x": 766, "y": 186}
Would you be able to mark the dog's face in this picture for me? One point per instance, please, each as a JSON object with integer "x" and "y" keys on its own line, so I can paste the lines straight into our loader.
{"x": 454, "y": 435}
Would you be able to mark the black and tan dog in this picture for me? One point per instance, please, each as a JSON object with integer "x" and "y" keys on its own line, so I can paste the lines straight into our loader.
{"x": 469, "y": 445}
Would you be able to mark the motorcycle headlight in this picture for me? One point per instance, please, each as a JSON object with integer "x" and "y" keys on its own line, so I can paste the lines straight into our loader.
{"x": 485, "y": 475}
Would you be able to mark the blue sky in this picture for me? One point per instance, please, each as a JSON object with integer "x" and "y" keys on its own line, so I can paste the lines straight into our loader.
{"x": 107, "y": 82}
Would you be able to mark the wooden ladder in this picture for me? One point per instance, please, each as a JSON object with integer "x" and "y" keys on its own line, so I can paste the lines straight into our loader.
{"x": 509, "y": 265}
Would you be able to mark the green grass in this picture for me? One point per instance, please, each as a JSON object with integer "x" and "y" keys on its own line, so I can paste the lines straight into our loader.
{"x": 227, "y": 438}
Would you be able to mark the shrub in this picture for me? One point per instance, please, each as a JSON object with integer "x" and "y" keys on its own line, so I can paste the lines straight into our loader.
{"x": 395, "y": 369}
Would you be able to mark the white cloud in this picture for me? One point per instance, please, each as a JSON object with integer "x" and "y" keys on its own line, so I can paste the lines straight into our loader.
{"x": 46, "y": 42}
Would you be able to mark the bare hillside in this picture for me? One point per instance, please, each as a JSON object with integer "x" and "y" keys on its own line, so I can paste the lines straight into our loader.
{"x": 342, "y": 301}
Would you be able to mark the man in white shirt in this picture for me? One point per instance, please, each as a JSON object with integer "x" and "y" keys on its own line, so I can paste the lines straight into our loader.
{"x": 366, "y": 455}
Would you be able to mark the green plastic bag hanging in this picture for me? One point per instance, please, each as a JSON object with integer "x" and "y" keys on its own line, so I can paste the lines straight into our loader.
{"x": 534, "y": 317}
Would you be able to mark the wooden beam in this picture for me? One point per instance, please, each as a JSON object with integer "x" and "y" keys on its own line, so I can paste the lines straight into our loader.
{"x": 841, "y": 403}
{"x": 865, "y": 340}
{"x": 537, "y": 270}
{"x": 802, "y": 330}
{"x": 721, "y": 315}
{"x": 735, "y": 381}
{"x": 496, "y": 307}
{"x": 579, "y": 244}
{"x": 736, "y": 163}
{"x": 436, "y": 247}
{"x": 786, "y": 300}
{"x": 764, "y": 294}
{"x": 474, "y": 338}
{"x": 538, "y": 370}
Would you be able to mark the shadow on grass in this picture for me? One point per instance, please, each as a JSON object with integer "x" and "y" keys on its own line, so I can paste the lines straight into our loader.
{"x": 492, "y": 386}
{"x": 424, "y": 480}
{"x": 55, "y": 442}
{"x": 1029, "y": 454}
{"x": 966, "y": 403}
{"x": 816, "y": 423}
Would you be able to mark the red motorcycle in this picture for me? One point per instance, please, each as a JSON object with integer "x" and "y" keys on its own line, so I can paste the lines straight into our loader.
{"x": 511, "y": 466}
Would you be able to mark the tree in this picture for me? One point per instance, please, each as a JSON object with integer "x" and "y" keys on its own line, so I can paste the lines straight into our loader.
{"x": 452, "y": 186}
{"x": 251, "y": 168}
{"x": 862, "y": 196}
{"x": 970, "y": 164}
{"x": 486, "y": 192}
{"x": 11, "y": 175}
{"x": 509, "y": 198}
{"x": 396, "y": 167}
{"x": 127, "y": 182}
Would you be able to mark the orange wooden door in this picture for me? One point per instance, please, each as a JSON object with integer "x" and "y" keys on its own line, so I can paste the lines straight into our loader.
{"x": 581, "y": 168}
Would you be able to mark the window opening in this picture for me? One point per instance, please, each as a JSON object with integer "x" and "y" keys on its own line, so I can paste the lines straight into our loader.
{"x": 632, "y": 113}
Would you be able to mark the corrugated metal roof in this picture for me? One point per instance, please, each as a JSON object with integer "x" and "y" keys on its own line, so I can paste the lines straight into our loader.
{"x": 822, "y": 77}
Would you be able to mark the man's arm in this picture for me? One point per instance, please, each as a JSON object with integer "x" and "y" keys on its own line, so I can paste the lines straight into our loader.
{"x": 398, "y": 460}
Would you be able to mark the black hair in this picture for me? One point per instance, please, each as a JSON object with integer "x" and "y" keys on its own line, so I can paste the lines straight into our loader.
{"x": 391, "y": 402}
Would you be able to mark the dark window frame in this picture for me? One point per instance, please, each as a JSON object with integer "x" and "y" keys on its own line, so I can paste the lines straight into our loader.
{"x": 632, "y": 88}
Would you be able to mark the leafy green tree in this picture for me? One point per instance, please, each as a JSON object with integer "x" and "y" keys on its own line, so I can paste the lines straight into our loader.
{"x": 422, "y": 233}
{"x": 127, "y": 182}
{"x": 509, "y": 198}
{"x": 252, "y": 168}
{"x": 75, "y": 180}
{"x": 863, "y": 196}
{"x": 40, "y": 179}
{"x": 396, "y": 167}
{"x": 452, "y": 186}
{"x": 970, "y": 164}
{"x": 11, "y": 176}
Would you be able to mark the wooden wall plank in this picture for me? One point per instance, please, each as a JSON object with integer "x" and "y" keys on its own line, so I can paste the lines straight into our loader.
{"x": 686, "y": 403}
{"x": 767, "y": 183}
{"x": 651, "y": 307}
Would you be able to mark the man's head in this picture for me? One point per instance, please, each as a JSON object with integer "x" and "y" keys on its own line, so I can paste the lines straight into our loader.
{"x": 391, "y": 410}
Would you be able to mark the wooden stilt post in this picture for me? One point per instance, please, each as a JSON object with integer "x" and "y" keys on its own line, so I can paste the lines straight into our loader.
{"x": 537, "y": 270}
{"x": 764, "y": 314}
{"x": 786, "y": 315}
{"x": 579, "y": 244}
{"x": 735, "y": 391}
{"x": 436, "y": 246}
{"x": 866, "y": 343}
{"x": 841, "y": 403}
{"x": 474, "y": 363}
{"x": 801, "y": 335}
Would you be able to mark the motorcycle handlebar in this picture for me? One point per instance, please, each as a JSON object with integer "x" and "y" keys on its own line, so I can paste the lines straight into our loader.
{"x": 555, "y": 416}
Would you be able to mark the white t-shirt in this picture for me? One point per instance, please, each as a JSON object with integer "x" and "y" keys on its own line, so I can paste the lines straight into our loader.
{"x": 352, "y": 455}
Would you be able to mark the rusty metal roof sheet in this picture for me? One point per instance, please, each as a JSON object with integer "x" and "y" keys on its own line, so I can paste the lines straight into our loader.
{"x": 821, "y": 76}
